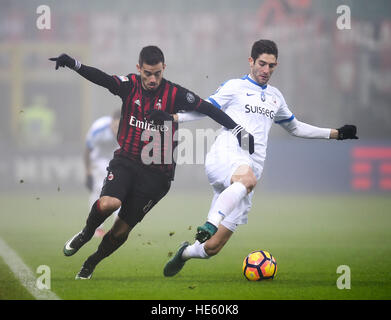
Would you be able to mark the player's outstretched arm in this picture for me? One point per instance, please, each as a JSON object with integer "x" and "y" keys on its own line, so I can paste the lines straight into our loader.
{"x": 204, "y": 109}
{"x": 90, "y": 73}
{"x": 180, "y": 116}
{"x": 245, "y": 139}
{"x": 303, "y": 130}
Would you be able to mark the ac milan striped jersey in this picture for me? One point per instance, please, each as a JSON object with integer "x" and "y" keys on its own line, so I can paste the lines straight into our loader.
{"x": 143, "y": 141}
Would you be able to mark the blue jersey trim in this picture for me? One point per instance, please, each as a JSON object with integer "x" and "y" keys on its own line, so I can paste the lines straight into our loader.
{"x": 223, "y": 83}
{"x": 89, "y": 145}
{"x": 97, "y": 130}
{"x": 214, "y": 102}
{"x": 94, "y": 133}
{"x": 246, "y": 77}
{"x": 285, "y": 120}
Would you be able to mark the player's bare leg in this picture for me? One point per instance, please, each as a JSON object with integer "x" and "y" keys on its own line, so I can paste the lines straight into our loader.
{"x": 243, "y": 181}
{"x": 100, "y": 210}
{"x": 214, "y": 245}
{"x": 111, "y": 241}
{"x": 197, "y": 250}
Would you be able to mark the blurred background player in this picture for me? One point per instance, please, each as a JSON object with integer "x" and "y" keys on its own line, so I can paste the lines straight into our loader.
{"x": 233, "y": 172}
{"x": 101, "y": 143}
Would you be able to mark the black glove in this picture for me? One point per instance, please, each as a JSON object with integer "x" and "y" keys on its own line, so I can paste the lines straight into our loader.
{"x": 64, "y": 60}
{"x": 245, "y": 139}
{"x": 158, "y": 116}
{"x": 89, "y": 182}
{"x": 347, "y": 132}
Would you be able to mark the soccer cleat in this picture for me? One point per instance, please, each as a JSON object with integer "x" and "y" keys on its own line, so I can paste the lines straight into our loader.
{"x": 73, "y": 244}
{"x": 205, "y": 232}
{"x": 85, "y": 272}
{"x": 176, "y": 263}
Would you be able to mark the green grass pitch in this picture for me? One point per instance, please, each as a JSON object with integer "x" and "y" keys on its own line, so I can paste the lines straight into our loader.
{"x": 310, "y": 236}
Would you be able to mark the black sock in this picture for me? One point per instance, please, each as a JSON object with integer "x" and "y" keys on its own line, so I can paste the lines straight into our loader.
{"x": 94, "y": 220}
{"x": 107, "y": 246}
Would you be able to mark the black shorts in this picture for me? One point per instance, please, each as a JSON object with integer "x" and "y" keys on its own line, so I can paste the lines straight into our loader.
{"x": 138, "y": 188}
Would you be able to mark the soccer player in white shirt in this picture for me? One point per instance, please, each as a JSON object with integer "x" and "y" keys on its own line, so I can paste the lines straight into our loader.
{"x": 232, "y": 171}
{"x": 101, "y": 142}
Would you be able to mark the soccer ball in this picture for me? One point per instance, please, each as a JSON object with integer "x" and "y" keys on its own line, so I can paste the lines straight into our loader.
{"x": 259, "y": 265}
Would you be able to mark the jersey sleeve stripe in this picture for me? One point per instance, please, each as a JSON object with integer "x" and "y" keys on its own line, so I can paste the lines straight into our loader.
{"x": 214, "y": 102}
{"x": 285, "y": 120}
{"x": 198, "y": 104}
{"x": 117, "y": 80}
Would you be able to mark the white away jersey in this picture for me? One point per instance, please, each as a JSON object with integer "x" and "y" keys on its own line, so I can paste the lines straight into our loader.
{"x": 101, "y": 141}
{"x": 254, "y": 107}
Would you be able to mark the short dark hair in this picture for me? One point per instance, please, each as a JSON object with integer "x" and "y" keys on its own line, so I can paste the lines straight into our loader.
{"x": 264, "y": 46}
{"x": 150, "y": 55}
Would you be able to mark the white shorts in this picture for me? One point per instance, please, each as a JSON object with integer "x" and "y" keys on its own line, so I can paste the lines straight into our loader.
{"x": 224, "y": 157}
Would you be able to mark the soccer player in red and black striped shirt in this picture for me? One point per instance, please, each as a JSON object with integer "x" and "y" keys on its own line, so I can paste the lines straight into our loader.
{"x": 137, "y": 180}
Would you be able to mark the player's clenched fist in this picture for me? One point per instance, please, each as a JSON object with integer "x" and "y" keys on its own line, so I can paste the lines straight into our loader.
{"x": 347, "y": 132}
{"x": 64, "y": 60}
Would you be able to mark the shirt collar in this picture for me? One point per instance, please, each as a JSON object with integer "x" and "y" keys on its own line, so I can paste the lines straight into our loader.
{"x": 247, "y": 77}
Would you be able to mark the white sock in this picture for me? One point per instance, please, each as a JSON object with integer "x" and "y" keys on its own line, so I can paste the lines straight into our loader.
{"x": 226, "y": 202}
{"x": 196, "y": 250}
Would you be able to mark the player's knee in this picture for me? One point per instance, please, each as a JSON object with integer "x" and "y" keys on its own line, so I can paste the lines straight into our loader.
{"x": 251, "y": 183}
{"x": 248, "y": 179}
{"x": 109, "y": 204}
